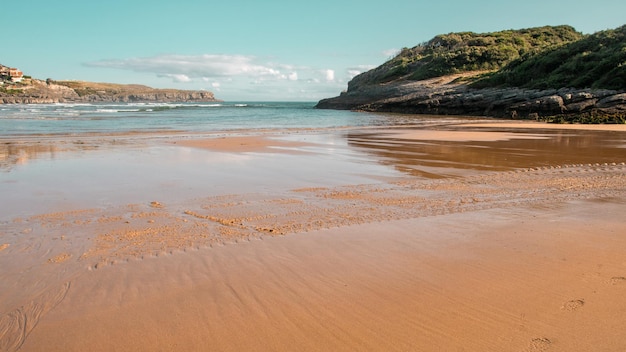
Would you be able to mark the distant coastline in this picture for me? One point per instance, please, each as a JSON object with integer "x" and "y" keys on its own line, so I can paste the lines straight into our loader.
{"x": 16, "y": 88}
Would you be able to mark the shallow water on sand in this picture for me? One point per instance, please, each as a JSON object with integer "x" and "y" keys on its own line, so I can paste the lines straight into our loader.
{"x": 45, "y": 174}
{"x": 433, "y": 156}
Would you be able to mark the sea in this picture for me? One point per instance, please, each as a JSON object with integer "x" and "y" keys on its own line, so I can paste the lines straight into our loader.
{"x": 37, "y": 119}
{"x": 39, "y": 175}
{"x": 61, "y": 156}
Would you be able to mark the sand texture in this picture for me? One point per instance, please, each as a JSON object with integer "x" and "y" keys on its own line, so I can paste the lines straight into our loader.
{"x": 481, "y": 237}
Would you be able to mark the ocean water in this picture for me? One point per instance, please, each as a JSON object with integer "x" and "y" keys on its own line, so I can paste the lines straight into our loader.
{"x": 35, "y": 119}
{"x": 47, "y": 166}
{"x": 40, "y": 175}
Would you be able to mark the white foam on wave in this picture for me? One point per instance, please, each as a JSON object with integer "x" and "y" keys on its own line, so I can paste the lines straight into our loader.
{"x": 111, "y": 111}
{"x": 67, "y": 104}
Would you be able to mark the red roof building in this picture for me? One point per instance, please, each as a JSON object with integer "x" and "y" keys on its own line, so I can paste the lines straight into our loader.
{"x": 15, "y": 74}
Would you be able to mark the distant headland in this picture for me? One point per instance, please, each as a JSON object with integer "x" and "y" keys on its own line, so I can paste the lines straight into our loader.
{"x": 17, "y": 88}
{"x": 548, "y": 73}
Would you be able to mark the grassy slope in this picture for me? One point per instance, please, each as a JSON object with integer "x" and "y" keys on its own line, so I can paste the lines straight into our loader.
{"x": 597, "y": 61}
{"x": 461, "y": 52}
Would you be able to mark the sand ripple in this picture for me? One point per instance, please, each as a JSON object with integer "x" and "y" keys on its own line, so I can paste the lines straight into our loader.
{"x": 139, "y": 230}
{"x": 93, "y": 238}
{"x": 16, "y": 325}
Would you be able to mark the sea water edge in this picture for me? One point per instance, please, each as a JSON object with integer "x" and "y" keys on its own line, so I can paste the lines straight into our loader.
{"x": 50, "y": 119}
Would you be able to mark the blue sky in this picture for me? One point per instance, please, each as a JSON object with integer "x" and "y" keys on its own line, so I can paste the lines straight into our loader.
{"x": 255, "y": 50}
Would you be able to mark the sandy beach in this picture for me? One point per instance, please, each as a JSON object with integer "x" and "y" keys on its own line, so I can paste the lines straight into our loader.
{"x": 468, "y": 236}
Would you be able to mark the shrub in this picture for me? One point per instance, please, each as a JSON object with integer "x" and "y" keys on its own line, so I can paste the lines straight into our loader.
{"x": 596, "y": 61}
{"x": 466, "y": 51}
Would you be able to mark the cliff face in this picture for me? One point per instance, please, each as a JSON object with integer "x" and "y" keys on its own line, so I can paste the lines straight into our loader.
{"x": 34, "y": 91}
{"x": 436, "y": 78}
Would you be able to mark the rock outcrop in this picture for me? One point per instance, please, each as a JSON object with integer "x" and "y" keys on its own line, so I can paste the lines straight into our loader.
{"x": 445, "y": 96}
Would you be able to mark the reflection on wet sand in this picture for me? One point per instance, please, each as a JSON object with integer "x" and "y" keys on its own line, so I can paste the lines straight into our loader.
{"x": 18, "y": 154}
{"x": 21, "y": 150}
{"x": 429, "y": 155}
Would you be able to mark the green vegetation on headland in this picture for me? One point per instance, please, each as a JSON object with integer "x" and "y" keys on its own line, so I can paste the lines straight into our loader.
{"x": 453, "y": 53}
{"x": 549, "y": 73}
{"x": 597, "y": 61}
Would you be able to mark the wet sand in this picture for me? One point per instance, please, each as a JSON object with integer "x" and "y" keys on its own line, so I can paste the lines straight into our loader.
{"x": 243, "y": 144}
{"x": 457, "y": 237}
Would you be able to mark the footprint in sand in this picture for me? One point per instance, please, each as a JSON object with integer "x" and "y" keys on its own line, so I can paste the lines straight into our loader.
{"x": 539, "y": 344}
{"x": 63, "y": 257}
{"x": 618, "y": 280}
{"x": 573, "y": 304}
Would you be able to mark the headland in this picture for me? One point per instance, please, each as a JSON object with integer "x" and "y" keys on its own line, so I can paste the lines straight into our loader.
{"x": 548, "y": 73}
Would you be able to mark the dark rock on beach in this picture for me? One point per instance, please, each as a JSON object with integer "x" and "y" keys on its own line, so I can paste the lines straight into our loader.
{"x": 442, "y": 96}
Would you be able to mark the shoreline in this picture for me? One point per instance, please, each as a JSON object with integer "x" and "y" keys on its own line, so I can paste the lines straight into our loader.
{"x": 377, "y": 238}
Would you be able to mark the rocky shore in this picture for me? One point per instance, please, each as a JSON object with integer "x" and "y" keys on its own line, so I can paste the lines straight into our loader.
{"x": 548, "y": 73}
{"x": 50, "y": 92}
{"x": 449, "y": 95}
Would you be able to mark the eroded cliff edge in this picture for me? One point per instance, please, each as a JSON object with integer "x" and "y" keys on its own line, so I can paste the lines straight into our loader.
{"x": 551, "y": 73}
{"x": 445, "y": 96}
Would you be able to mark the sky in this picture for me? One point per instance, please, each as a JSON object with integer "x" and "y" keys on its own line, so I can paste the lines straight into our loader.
{"x": 273, "y": 50}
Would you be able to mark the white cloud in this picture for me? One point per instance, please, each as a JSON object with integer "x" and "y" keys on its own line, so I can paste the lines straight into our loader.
{"x": 177, "y": 77}
{"x": 330, "y": 75}
{"x": 237, "y": 76}
{"x": 389, "y": 53}
{"x": 354, "y": 71}
{"x": 208, "y": 65}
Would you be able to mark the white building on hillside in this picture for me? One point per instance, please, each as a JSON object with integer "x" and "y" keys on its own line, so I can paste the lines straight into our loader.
{"x": 11, "y": 74}
{"x": 16, "y": 75}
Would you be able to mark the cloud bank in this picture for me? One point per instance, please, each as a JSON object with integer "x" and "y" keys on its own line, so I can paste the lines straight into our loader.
{"x": 191, "y": 66}
{"x": 184, "y": 68}
{"x": 237, "y": 73}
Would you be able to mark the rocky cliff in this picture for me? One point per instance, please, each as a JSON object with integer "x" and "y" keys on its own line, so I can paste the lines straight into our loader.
{"x": 32, "y": 91}
{"x": 446, "y": 96}
{"x": 562, "y": 78}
